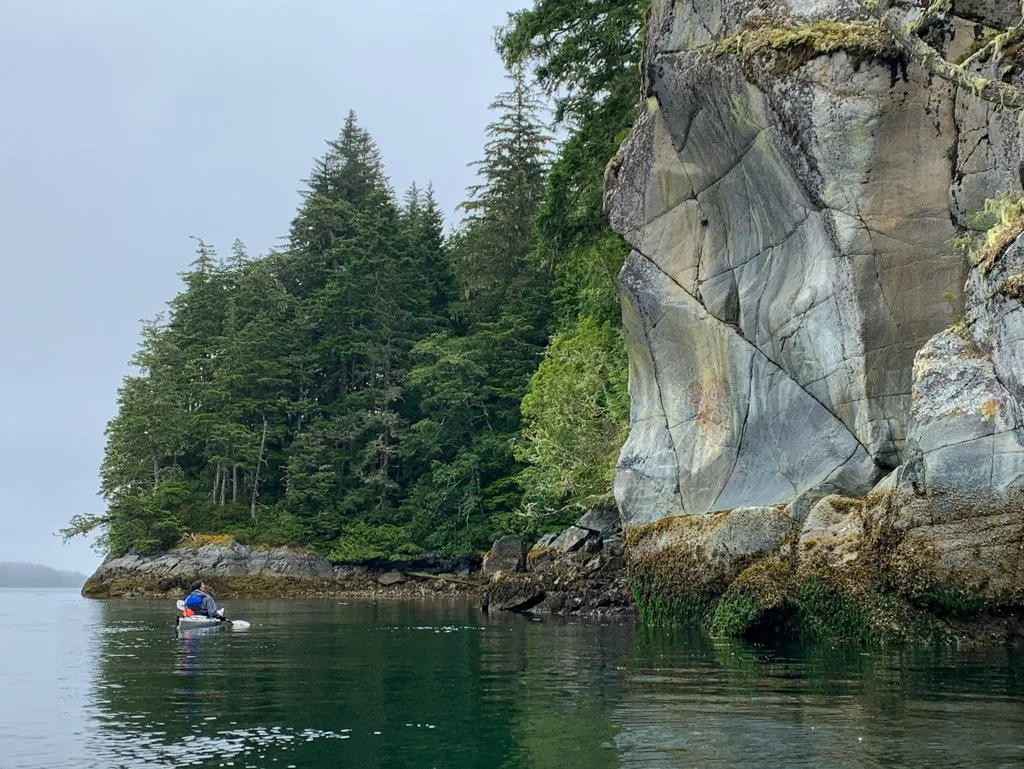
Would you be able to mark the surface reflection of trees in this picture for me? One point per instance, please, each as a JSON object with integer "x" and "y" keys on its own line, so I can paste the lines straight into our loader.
{"x": 691, "y": 701}
{"x": 563, "y": 679}
{"x": 325, "y": 666}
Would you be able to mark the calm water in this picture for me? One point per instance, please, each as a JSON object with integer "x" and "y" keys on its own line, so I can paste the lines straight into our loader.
{"x": 346, "y": 684}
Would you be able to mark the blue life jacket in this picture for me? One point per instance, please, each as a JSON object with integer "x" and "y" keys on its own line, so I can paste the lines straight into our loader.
{"x": 194, "y": 600}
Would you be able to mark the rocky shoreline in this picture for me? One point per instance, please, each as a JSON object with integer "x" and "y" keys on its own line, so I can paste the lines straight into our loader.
{"x": 579, "y": 571}
{"x": 235, "y": 570}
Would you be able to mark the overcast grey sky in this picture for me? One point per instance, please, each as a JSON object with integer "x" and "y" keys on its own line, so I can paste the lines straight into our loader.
{"x": 128, "y": 125}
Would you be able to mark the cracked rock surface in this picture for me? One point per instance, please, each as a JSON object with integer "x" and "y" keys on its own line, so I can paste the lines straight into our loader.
{"x": 792, "y": 279}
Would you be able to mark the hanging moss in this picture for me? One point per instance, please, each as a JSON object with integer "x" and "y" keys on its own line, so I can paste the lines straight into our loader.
{"x": 831, "y": 606}
{"x": 757, "y": 598}
{"x": 999, "y": 223}
{"x": 673, "y": 580}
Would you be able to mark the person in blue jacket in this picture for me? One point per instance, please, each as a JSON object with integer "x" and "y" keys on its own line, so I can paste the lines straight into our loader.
{"x": 201, "y": 602}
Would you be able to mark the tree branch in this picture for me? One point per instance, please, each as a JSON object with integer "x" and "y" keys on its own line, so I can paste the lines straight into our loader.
{"x": 995, "y": 45}
{"x": 995, "y": 91}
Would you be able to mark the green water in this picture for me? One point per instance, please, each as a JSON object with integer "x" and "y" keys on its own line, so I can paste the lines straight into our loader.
{"x": 332, "y": 683}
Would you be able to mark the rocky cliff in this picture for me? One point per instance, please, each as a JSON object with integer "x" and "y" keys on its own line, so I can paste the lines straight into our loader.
{"x": 826, "y": 393}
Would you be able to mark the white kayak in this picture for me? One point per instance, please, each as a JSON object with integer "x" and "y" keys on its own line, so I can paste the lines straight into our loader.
{"x": 195, "y": 622}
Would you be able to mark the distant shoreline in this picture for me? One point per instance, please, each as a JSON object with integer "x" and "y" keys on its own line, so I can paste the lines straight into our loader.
{"x": 34, "y": 575}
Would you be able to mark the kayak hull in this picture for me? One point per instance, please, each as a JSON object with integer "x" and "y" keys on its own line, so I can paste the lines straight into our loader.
{"x": 193, "y": 622}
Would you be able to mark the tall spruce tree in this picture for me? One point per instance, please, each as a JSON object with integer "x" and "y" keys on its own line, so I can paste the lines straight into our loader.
{"x": 471, "y": 380}
{"x": 360, "y": 310}
{"x": 585, "y": 54}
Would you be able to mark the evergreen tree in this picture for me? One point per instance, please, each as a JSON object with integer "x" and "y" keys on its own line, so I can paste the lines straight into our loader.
{"x": 586, "y": 55}
{"x": 373, "y": 388}
{"x": 471, "y": 381}
{"x": 490, "y": 257}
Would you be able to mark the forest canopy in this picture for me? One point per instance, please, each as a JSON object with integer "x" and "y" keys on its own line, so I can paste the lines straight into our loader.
{"x": 380, "y": 387}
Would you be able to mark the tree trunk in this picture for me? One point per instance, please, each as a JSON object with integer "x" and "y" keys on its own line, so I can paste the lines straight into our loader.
{"x": 234, "y": 484}
{"x": 256, "y": 475}
{"x": 216, "y": 483}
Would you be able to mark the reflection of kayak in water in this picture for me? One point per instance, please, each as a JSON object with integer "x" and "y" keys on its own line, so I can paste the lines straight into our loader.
{"x": 195, "y": 621}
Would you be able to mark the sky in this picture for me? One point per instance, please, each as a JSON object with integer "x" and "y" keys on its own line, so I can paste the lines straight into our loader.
{"x": 127, "y": 126}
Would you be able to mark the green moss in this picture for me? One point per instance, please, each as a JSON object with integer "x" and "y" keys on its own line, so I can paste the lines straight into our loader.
{"x": 831, "y": 608}
{"x": 998, "y": 224}
{"x": 669, "y": 607}
{"x": 792, "y": 46}
{"x": 759, "y": 592}
{"x": 735, "y": 614}
{"x": 672, "y": 580}
{"x": 886, "y": 593}
{"x": 1013, "y": 287}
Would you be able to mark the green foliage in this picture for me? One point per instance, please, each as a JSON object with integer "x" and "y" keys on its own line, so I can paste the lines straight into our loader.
{"x": 372, "y": 389}
{"x": 995, "y": 226}
{"x": 586, "y": 55}
{"x": 362, "y": 541}
{"x": 573, "y": 420}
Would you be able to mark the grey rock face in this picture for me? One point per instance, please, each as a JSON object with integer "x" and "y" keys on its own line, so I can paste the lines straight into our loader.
{"x": 506, "y": 554}
{"x": 995, "y": 13}
{"x": 544, "y": 542}
{"x": 792, "y": 276}
{"x": 767, "y": 277}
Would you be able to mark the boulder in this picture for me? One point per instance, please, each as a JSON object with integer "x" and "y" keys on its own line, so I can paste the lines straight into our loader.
{"x": 513, "y": 593}
{"x": 506, "y": 555}
{"x": 391, "y": 578}
{"x": 604, "y": 520}
{"x": 544, "y": 542}
{"x": 573, "y": 539}
{"x": 833, "y": 533}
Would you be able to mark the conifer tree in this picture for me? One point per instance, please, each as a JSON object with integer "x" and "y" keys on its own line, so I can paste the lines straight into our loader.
{"x": 472, "y": 380}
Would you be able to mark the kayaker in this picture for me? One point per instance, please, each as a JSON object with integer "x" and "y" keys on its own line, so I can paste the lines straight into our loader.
{"x": 201, "y": 602}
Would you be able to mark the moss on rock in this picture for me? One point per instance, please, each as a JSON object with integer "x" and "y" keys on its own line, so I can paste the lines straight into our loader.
{"x": 856, "y": 575}
{"x": 791, "y": 46}
{"x": 758, "y": 597}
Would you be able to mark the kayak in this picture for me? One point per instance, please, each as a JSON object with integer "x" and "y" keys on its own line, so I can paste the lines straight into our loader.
{"x": 195, "y": 621}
